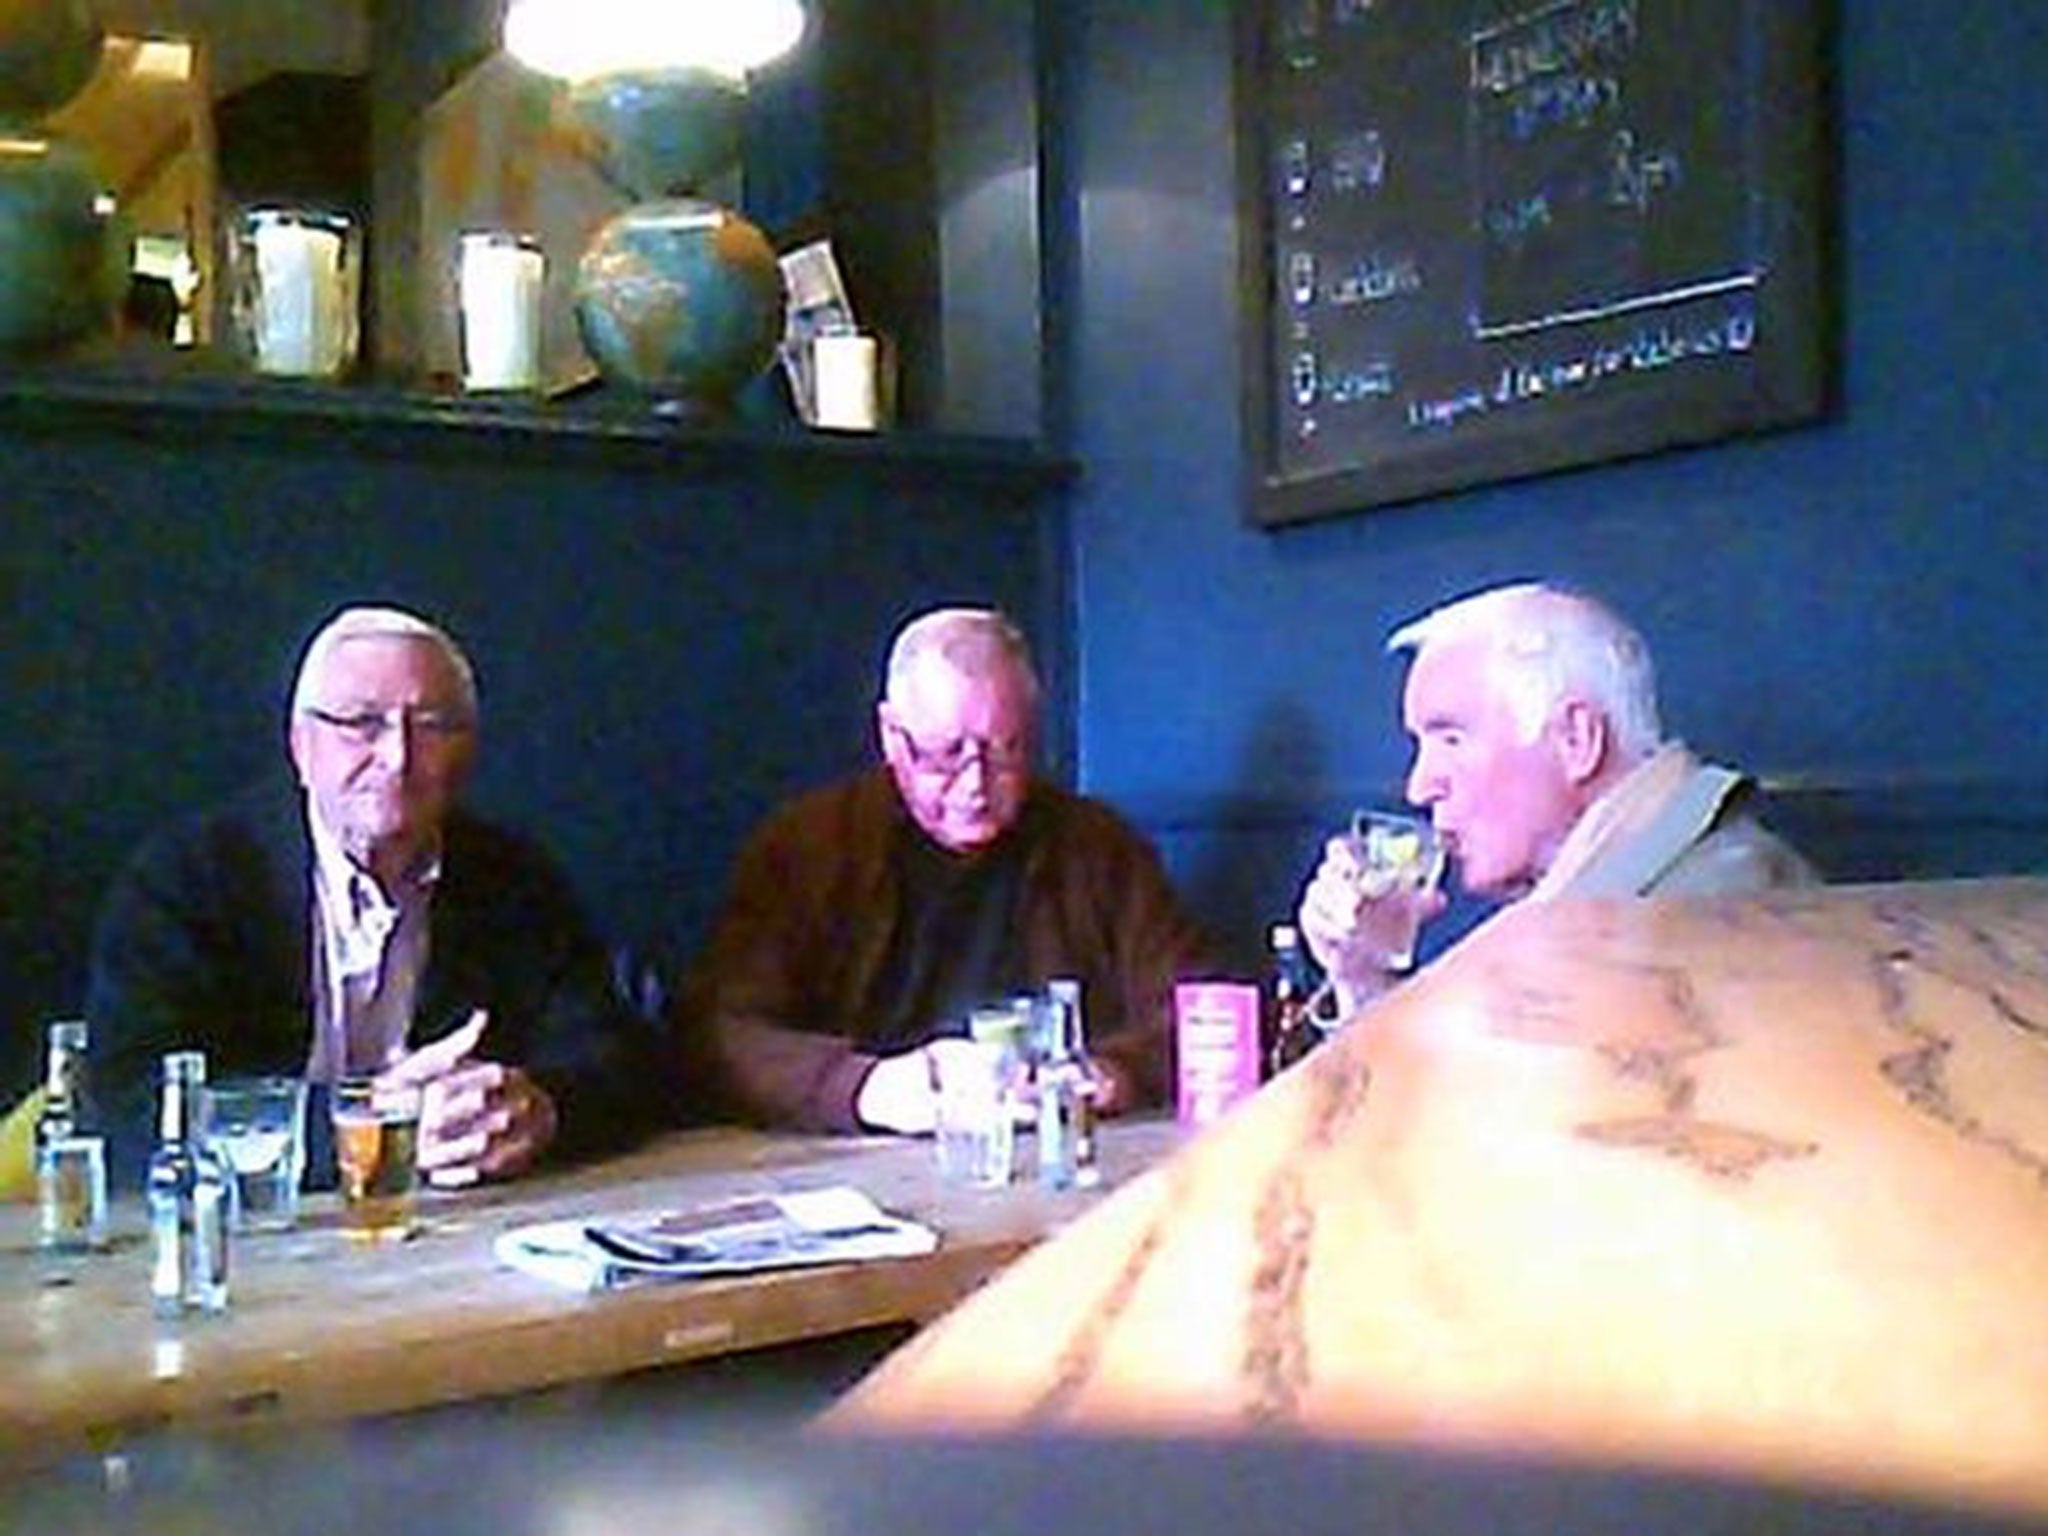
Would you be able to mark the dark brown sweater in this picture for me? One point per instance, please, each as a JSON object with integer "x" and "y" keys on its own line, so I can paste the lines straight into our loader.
{"x": 787, "y": 993}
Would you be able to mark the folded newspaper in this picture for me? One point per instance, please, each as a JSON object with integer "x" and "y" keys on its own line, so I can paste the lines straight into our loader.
{"x": 780, "y": 1231}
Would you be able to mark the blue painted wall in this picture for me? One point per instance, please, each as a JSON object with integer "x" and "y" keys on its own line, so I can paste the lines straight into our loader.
{"x": 1854, "y": 608}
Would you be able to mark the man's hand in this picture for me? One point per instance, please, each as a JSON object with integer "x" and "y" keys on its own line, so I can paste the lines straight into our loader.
{"x": 1350, "y": 926}
{"x": 478, "y": 1119}
{"x": 897, "y": 1094}
{"x": 900, "y": 1092}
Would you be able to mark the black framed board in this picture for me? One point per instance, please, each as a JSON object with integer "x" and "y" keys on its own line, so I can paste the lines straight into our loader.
{"x": 1483, "y": 239}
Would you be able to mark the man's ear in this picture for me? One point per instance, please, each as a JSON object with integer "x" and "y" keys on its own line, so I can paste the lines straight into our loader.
{"x": 884, "y": 747}
{"x": 295, "y": 744}
{"x": 1580, "y": 732}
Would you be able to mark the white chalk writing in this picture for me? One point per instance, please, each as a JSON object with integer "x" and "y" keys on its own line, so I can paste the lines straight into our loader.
{"x": 1358, "y": 161}
{"x": 1565, "y": 38}
{"x": 1645, "y": 350}
{"x": 1375, "y": 278}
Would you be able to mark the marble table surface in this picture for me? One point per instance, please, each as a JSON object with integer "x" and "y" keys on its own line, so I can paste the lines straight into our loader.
{"x": 1744, "y": 1188}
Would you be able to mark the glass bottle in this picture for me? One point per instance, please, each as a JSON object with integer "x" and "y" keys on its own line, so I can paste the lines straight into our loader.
{"x": 1290, "y": 1026}
{"x": 1066, "y": 1095}
{"x": 71, "y": 1170}
{"x": 188, "y": 1199}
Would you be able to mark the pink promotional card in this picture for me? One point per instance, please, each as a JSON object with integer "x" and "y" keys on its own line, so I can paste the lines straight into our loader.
{"x": 1216, "y": 1033}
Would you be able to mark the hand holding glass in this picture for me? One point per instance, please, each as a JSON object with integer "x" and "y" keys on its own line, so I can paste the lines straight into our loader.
{"x": 258, "y": 1127}
{"x": 1398, "y": 862}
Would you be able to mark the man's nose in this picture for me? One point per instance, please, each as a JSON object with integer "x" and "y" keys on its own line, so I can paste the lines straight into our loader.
{"x": 973, "y": 774}
{"x": 1425, "y": 784}
{"x": 395, "y": 743}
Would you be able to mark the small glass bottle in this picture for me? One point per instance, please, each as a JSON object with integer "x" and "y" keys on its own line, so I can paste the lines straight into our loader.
{"x": 1066, "y": 1095}
{"x": 1290, "y": 1026}
{"x": 71, "y": 1170}
{"x": 189, "y": 1200}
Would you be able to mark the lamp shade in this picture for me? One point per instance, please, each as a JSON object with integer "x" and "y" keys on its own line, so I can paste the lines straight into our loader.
{"x": 579, "y": 39}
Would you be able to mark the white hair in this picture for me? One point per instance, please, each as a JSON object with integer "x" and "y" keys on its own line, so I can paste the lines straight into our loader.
{"x": 1544, "y": 645}
{"x": 973, "y": 641}
{"x": 379, "y": 624}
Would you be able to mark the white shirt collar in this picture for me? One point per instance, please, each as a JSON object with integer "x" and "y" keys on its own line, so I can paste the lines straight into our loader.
{"x": 358, "y": 890}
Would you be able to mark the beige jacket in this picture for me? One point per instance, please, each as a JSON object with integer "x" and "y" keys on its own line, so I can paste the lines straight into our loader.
{"x": 1674, "y": 827}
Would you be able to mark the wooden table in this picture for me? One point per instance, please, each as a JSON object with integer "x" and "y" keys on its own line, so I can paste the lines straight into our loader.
{"x": 321, "y": 1326}
{"x": 1730, "y": 1188}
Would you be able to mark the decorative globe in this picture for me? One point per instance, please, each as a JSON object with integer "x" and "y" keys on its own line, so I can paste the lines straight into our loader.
{"x": 48, "y": 50}
{"x": 681, "y": 298}
{"x": 62, "y": 264}
{"x": 659, "y": 132}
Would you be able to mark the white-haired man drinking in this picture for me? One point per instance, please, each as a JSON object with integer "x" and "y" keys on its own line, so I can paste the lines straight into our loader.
{"x": 1539, "y": 756}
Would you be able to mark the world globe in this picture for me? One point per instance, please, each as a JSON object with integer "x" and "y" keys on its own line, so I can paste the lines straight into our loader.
{"x": 681, "y": 298}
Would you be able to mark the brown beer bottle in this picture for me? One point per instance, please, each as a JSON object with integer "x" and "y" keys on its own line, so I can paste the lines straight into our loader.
{"x": 1290, "y": 1031}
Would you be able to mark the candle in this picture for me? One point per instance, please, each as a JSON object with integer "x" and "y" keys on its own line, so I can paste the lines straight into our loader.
{"x": 845, "y": 370}
{"x": 500, "y": 277}
{"x": 303, "y": 316}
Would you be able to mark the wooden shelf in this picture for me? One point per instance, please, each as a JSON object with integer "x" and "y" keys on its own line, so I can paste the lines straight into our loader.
{"x": 134, "y": 405}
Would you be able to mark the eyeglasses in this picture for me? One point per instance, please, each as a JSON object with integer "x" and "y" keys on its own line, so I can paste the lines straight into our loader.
{"x": 367, "y": 727}
{"x": 950, "y": 759}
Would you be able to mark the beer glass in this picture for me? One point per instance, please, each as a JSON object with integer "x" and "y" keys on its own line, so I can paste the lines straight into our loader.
{"x": 376, "y": 1143}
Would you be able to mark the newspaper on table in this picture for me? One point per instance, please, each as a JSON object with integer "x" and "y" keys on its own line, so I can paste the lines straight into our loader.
{"x": 757, "y": 1232}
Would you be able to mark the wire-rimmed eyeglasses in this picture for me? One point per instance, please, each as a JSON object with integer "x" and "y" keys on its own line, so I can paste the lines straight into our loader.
{"x": 367, "y": 727}
{"x": 950, "y": 759}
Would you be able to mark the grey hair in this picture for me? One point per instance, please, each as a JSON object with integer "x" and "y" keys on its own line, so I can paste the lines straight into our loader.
{"x": 1545, "y": 644}
{"x": 380, "y": 624}
{"x": 973, "y": 641}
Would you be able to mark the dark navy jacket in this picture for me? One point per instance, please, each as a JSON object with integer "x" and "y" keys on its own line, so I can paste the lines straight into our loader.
{"x": 203, "y": 943}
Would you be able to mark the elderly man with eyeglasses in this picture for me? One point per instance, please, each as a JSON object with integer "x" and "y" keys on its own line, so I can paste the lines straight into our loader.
{"x": 866, "y": 919}
{"x": 366, "y": 925}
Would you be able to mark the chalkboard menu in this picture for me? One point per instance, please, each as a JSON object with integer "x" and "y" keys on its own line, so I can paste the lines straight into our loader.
{"x": 1485, "y": 239}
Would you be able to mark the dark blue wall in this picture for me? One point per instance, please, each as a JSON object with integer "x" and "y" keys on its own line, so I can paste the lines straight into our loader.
{"x": 666, "y": 648}
{"x": 1852, "y": 610}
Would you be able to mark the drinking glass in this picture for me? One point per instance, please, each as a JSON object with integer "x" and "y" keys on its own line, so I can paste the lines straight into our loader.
{"x": 973, "y": 1083}
{"x": 376, "y": 1145}
{"x": 1013, "y": 1025}
{"x": 1400, "y": 859}
{"x": 1009, "y": 1023}
{"x": 258, "y": 1127}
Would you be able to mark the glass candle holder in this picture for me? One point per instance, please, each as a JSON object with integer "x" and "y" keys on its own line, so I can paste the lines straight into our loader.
{"x": 499, "y": 278}
{"x": 297, "y": 291}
